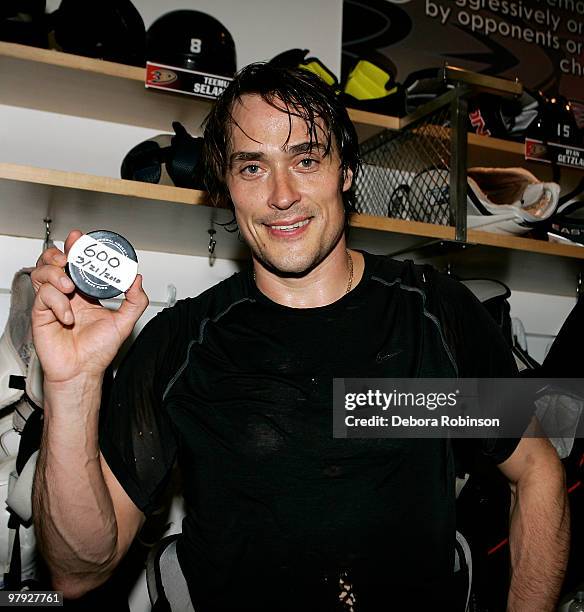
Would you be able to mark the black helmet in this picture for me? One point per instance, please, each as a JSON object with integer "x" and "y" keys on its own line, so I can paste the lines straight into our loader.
{"x": 29, "y": 7}
{"x": 167, "y": 160}
{"x": 191, "y": 40}
{"x": 24, "y": 22}
{"x": 109, "y": 29}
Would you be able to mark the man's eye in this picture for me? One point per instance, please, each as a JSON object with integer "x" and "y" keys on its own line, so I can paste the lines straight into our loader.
{"x": 308, "y": 162}
{"x": 250, "y": 169}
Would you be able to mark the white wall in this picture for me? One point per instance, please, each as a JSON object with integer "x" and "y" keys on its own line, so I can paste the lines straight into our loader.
{"x": 61, "y": 142}
{"x": 542, "y": 317}
{"x": 189, "y": 275}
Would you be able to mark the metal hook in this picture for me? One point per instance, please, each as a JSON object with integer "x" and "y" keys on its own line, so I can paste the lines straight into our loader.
{"x": 211, "y": 247}
{"x": 212, "y": 241}
{"x": 47, "y": 242}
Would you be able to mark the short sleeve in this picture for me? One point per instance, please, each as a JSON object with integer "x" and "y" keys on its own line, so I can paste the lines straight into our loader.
{"x": 135, "y": 433}
{"x": 479, "y": 349}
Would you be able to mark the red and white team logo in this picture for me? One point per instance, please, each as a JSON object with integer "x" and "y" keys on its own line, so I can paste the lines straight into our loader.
{"x": 478, "y": 123}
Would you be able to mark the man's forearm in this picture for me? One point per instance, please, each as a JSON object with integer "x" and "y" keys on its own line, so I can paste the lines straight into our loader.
{"x": 73, "y": 512}
{"x": 539, "y": 540}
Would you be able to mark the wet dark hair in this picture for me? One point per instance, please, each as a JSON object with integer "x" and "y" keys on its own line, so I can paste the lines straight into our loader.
{"x": 295, "y": 91}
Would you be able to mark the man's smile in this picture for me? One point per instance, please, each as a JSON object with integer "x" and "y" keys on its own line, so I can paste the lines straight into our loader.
{"x": 288, "y": 228}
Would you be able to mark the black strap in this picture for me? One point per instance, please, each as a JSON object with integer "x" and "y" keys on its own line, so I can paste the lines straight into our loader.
{"x": 17, "y": 382}
{"x": 13, "y": 578}
{"x": 30, "y": 438}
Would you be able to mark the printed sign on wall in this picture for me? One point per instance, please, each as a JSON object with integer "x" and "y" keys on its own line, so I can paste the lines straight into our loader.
{"x": 541, "y": 42}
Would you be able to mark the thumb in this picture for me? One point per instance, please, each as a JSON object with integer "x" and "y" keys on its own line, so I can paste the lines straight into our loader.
{"x": 132, "y": 307}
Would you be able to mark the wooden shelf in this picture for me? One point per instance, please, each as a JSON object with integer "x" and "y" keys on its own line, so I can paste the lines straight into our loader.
{"x": 156, "y": 217}
{"x": 175, "y": 220}
{"x": 413, "y": 228}
{"x": 474, "y": 237}
{"x": 101, "y": 184}
{"x": 152, "y": 217}
{"x": 369, "y": 124}
{"x": 518, "y": 243}
{"x": 71, "y": 61}
{"x": 496, "y": 144}
{"x": 539, "y": 267}
{"x": 97, "y": 89}
{"x": 94, "y": 89}
{"x": 525, "y": 264}
{"x": 373, "y": 119}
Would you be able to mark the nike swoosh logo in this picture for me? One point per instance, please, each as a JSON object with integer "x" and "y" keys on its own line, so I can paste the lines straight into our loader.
{"x": 381, "y": 356}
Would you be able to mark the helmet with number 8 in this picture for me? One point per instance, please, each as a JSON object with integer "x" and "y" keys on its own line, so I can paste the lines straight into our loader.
{"x": 192, "y": 40}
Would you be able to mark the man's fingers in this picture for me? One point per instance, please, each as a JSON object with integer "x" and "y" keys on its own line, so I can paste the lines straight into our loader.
{"x": 52, "y": 257}
{"x": 73, "y": 236}
{"x": 50, "y": 298}
{"x": 52, "y": 275}
{"x": 49, "y": 268}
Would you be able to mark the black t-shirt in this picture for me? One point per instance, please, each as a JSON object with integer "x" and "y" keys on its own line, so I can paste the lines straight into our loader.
{"x": 238, "y": 389}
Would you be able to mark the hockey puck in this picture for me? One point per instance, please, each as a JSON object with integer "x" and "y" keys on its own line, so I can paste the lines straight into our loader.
{"x": 102, "y": 264}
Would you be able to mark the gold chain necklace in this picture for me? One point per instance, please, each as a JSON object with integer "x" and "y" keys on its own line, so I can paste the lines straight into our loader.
{"x": 350, "y": 264}
{"x": 350, "y": 283}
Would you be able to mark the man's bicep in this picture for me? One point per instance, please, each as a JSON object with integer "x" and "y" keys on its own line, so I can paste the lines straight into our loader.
{"x": 533, "y": 457}
{"x": 129, "y": 517}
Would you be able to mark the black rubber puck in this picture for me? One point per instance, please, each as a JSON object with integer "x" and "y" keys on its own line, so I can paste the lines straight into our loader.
{"x": 102, "y": 264}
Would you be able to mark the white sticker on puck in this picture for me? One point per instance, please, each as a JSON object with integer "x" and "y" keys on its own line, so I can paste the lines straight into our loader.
{"x": 102, "y": 262}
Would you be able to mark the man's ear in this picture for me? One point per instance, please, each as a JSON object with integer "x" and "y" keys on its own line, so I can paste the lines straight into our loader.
{"x": 347, "y": 179}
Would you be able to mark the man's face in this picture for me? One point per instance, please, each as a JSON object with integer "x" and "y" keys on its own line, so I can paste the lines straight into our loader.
{"x": 287, "y": 194}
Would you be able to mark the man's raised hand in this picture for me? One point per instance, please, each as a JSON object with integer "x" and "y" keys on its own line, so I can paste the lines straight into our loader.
{"x": 74, "y": 335}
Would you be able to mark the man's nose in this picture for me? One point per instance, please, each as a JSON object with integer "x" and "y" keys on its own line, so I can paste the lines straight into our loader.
{"x": 283, "y": 190}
